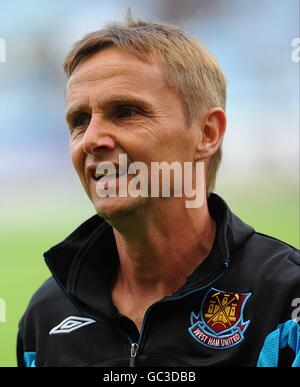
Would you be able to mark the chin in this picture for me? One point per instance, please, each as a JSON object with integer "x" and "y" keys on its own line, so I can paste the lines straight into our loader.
{"x": 116, "y": 209}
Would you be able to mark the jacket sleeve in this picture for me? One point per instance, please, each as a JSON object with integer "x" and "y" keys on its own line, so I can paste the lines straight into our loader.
{"x": 287, "y": 335}
{"x": 28, "y": 327}
{"x": 282, "y": 345}
{"x": 20, "y": 351}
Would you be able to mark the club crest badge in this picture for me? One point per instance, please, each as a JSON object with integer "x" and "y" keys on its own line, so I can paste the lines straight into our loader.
{"x": 220, "y": 324}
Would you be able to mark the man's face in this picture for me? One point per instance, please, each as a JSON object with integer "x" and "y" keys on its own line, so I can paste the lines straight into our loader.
{"x": 117, "y": 104}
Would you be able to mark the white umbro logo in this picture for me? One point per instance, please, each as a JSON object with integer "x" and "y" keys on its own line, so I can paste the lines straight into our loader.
{"x": 70, "y": 324}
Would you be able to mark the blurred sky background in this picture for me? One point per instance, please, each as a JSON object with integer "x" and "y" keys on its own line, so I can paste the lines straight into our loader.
{"x": 251, "y": 40}
{"x": 252, "y": 44}
{"x": 41, "y": 199}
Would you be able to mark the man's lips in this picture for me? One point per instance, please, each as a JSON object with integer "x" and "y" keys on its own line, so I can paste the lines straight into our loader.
{"x": 97, "y": 174}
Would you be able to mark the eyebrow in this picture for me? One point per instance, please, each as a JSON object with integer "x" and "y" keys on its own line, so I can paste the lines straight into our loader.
{"x": 114, "y": 100}
{"x": 73, "y": 110}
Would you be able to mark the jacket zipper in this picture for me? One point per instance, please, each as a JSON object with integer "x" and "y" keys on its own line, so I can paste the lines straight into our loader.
{"x": 133, "y": 352}
{"x": 134, "y": 347}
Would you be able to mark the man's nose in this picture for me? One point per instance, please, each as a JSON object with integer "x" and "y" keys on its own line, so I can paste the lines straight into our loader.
{"x": 97, "y": 138}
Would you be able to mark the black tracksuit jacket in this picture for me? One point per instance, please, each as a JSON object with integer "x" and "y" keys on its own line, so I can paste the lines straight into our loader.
{"x": 240, "y": 307}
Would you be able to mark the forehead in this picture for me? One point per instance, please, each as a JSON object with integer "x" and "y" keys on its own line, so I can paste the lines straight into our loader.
{"x": 114, "y": 67}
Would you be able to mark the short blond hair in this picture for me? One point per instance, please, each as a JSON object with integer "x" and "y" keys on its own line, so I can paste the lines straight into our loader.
{"x": 185, "y": 63}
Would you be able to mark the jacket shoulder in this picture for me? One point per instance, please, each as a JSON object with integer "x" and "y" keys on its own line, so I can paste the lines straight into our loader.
{"x": 270, "y": 239}
{"x": 48, "y": 291}
{"x": 276, "y": 248}
{"x": 46, "y": 303}
{"x": 274, "y": 260}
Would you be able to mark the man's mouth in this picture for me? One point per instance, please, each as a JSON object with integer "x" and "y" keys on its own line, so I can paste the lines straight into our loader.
{"x": 96, "y": 176}
{"x": 105, "y": 176}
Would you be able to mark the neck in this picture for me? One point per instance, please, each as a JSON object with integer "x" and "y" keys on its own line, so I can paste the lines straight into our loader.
{"x": 162, "y": 250}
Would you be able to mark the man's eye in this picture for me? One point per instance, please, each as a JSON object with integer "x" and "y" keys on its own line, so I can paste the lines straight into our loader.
{"x": 80, "y": 121}
{"x": 125, "y": 112}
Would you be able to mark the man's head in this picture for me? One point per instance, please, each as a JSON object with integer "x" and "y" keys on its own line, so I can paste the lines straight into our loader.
{"x": 146, "y": 90}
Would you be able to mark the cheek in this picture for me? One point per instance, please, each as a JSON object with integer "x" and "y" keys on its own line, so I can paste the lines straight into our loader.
{"x": 78, "y": 157}
{"x": 177, "y": 145}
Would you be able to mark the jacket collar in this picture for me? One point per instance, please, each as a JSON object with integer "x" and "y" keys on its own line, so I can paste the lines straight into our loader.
{"x": 86, "y": 262}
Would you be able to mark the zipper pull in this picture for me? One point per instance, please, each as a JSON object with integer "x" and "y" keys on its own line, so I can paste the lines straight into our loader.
{"x": 226, "y": 263}
{"x": 133, "y": 352}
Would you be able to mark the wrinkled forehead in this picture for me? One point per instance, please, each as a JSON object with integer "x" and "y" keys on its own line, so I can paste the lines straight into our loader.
{"x": 117, "y": 65}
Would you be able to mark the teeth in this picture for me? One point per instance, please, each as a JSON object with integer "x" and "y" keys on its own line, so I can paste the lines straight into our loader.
{"x": 119, "y": 172}
{"x": 98, "y": 177}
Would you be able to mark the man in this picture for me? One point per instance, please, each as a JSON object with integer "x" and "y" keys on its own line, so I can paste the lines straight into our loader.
{"x": 151, "y": 281}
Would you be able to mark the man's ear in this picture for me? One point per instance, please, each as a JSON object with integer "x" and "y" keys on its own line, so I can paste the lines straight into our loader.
{"x": 212, "y": 127}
